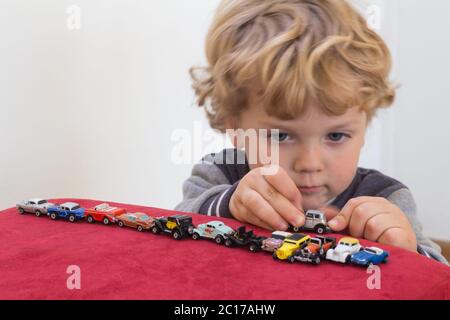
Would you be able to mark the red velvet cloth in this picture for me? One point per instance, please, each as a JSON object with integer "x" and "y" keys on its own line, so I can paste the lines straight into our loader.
{"x": 126, "y": 264}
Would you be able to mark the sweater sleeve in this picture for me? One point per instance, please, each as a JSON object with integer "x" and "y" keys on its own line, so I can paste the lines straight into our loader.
{"x": 405, "y": 201}
{"x": 208, "y": 190}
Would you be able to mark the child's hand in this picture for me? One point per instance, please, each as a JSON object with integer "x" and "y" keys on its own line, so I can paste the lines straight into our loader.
{"x": 376, "y": 219}
{"x": 268, "y": 201}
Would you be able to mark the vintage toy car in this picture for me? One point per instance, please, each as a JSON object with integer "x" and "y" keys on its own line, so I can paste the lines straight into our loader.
{"x": 37, "y": 206}
{"x": 369, "y": 256}
{"x": 138, "y": 220}
{"x": 69, "y": 210}
{"x": 316, "y": 221}
{"x": 314, "y": 251}
{"x": 213, "y": 230}
{"x": 178, "y": 226}
{"x": 103, "y": 213}
{"x": 290, "y": 245}
{"x": 344, "y": 250}
{"x": 241, "y": 237}
{"x": 274, "y": 241}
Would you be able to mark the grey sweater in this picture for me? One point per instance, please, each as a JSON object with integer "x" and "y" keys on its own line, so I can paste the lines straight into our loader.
{"x": 208, "y": 191}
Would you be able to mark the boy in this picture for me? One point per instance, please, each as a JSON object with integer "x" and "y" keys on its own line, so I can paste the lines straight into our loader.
{"x": 313, "y": 75}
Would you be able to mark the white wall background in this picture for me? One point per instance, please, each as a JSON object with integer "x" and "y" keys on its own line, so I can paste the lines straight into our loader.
{"x": 90, "y": 112}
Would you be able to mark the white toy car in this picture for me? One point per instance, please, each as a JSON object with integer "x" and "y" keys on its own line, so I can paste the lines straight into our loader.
{"x": 344, "y": 250}
{"x": 37, "y": 206}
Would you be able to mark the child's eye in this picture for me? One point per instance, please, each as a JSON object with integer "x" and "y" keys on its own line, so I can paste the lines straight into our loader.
{"x": 337, "y": 136}
{"x": 279, "y": 136}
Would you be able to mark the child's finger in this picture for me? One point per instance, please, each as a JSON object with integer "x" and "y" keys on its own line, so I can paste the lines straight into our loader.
{"x": 285, "y": 186}
{"x": 362, "y": 216}
{"x": 280, "y": 204}
{"x": 378, "y": 225}
{"x": 260, "y": 208}
{"x": 341, "y": 221}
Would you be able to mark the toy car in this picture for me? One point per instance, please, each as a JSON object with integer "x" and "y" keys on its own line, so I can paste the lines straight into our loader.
{"x": 68, "y": 210}
{"x": 178, "y": 226}
{"x": 275, "y": 241}
{"x": 369, "y": 256}
{"x": 290, "y": 245}
{"x": 213, "y": 230}
{"x": 316, "y": 221}
{"x": 241, "y": 237}
{"x": 138, "y": 220}
{"x": 103, "y": 213}
{"x": 314, "y": 251}
{"x": 37, "y": 206}
{"x": 344, "y": 250}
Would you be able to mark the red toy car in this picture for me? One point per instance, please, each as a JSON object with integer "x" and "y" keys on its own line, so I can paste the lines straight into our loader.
{"x": 103, "y": 213}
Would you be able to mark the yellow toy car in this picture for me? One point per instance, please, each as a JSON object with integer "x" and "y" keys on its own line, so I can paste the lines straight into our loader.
{"x": 290, "y": 245}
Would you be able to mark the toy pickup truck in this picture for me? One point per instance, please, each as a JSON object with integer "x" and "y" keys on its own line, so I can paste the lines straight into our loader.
{"x": 316, "y": 221}
{"x": 178, "y": 226}
{"x": 241, "y": 237}
{"x": 314, "y": 251}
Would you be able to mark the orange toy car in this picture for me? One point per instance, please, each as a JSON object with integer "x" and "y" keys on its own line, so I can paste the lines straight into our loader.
{"x": 138, "y": 220}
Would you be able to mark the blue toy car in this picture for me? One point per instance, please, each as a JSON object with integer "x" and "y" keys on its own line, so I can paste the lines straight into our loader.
{"x": 369, "y": 256}
{"x": 216, "y": 230}
{"x": 69, "y": 210}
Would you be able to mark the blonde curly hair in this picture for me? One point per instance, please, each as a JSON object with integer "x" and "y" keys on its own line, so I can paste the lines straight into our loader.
{"x": 290, "y": 51}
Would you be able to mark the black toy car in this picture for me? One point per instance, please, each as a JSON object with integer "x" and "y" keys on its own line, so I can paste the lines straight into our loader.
{"x": 241, "y": 237}
{"x": 178, "y": 226}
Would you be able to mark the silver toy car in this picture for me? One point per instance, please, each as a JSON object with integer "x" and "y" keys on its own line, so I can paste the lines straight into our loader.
{"x": 37, "y": 206}
{"x": 316, "y": 221}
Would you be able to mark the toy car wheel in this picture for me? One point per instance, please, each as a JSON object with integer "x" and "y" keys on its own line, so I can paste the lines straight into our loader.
{"x": 140, "y": 229}
{"x": 296, "y": 229}
{"x": 155, "y": 229}
{"x": 322, "y": 252}
{"x": 21, "y": 211}
{"x": 53, "y": 216}
{"x": 369, "y": 265}
{"x": 38, "y": 213}
{"x": 219, "y": 239}
{"x": 228, "y": 243}
{"x": 195, "y": 236}
{"x": 291, "y": 259}
{"x": 72, "y": 218}
{"x": 253, "y": 247}
{"x": 176, "y": 234}
{"x": 90, "y": 219}
{"x": 317, "y": 260}
{"x": 385, "y": 260}
{"x": 106, "y": 221}
{"x": 120, "y": 224}
{"x": 274, "y": 256}
{"x": 347, "y": 259}
{"x": 319, "y": 229}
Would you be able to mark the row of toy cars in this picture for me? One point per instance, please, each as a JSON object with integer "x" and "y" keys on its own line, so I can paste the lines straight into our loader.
{"x": 282, "y": 245}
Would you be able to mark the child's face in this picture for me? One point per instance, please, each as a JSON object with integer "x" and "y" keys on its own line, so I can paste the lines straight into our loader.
{"x": 319, "y": 152}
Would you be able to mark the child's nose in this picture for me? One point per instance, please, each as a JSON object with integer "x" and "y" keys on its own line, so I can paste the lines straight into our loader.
{"x": 309, "y": 160}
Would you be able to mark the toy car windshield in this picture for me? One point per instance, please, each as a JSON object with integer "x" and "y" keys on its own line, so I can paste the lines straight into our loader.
{"x": 42, "y": 201}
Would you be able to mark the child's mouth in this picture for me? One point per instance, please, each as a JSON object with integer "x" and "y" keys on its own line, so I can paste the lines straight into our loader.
{"x": 311, "y": 189}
